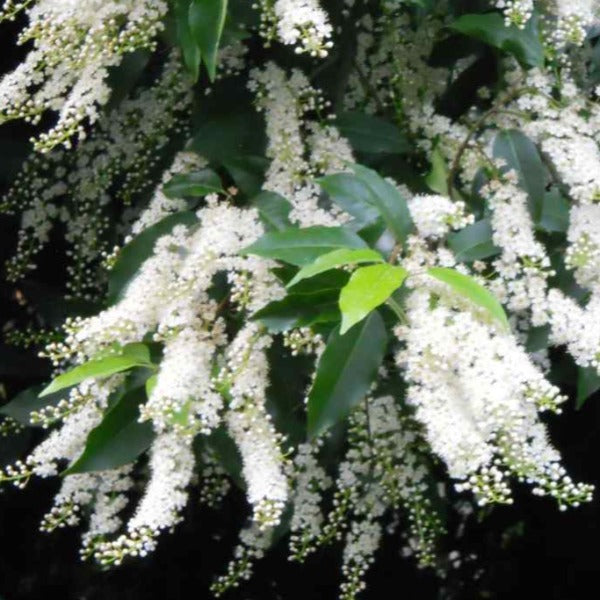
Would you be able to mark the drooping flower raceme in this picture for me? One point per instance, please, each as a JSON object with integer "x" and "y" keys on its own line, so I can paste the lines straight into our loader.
{"x": 74, "y": 44}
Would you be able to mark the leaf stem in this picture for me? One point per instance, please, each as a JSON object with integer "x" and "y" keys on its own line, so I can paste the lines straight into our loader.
{"x": 398, "y": 310}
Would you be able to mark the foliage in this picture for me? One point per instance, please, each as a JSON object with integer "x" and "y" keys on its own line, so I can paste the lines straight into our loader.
{"x": 341, "y": 260}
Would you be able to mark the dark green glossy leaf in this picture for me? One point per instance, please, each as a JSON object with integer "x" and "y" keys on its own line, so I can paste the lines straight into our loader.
{"x": 353, "y": 195}
{"x": 537, "y": 338}
{"x": 139, "y": 249}
{"x": 274, "y": 210}
{"x": 523, "y": 44}
{"x": 28, "y": 401}
{"x": 389, "y": 202}
{"x": 190, "y": 50}
{"x": 302, "y": 246}
{"x": 522, "y": 155}
{"x": 206, "y": 19}
{"x": 225, "y": 134}
{"x": 299, "y": 310}
{"x": 227, "y": 454}
{"x": 119, "y": 438}
{"x": 555, "y": 212}
{"x": 248, "y": 172}
{"x": 195, "y": 184}
{"x": 474, "y": 242}
{"x": 345, "y": 372}
{"x": 372, "y": 135}
{"x": 588, "y": 382}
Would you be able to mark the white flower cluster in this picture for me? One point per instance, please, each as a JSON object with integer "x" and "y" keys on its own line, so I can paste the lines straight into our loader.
{"x": 74, "y": 44}
{"x": 300, "y": 23}
{"x": 245, "y": 379}
{"x": 105, "y": 490}
{"x": 478, "y": 395}
{"x": 523, "y": 267}
{"x": 516, "y": 12}
{"x": 286, "y": 103}
{"x": 310, "y": 482}
{"x": 577, "y": 328}
{"x": 171, "y": 466}
{"x": 573, "y": 17}
{"x": 68, "y": 441}
{"x": 74, "y": 188}
{"x": 161, "y": 206}
{"x": 434, "y": 215}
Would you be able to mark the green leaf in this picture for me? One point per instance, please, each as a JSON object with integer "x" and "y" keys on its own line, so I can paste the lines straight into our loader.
{"x": 353, "y": 195}
{"x": 248, "y": 172}
{"x": 523, "y": 44}
{"x": 555, "y": 212}
{"x": 300, "y": 310}
{"x": 150, "y": 384}
{"x": 345, "y": 372}
{"x": 139, "y": 249}
{"x": 522, "y": 155}
{"x": 368, "y": 288}
{"x": 437, "y": 178}
{"x": 588, "y": 382}
{"x": 337, "y": 258}
{"x": 474, "y": 242}
{"x": 537, "y": 338}
{"x": 119, "y": 438}
{"x": 228, "y": 455}
{"x": 196, "y": 184}
{"x": 132, "y": 356}
{"x": 189, "y": 48}
{"x": 221, "y": 136}
{"x": 274, "y": 210}
{"x": 301, "y": 246}
{"x": 389, "y": 202}
{"x": 207, "y": 18}
{"x": 469, "y": 288}
{"x": 372, "y": 135}
{"x": 28, "y": 401}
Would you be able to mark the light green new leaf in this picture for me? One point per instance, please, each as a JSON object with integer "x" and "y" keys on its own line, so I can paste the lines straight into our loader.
{"x": 469, "y": 288}
{"x": 345, "y": 372}
{"x": 437, "y": 178}
{"x": 150, "y": 384}
{"x": 368, "y": 288}
{"x": 337, "y": 258}
{"x": 207, "y": 18}
{"x": 302, "y": 246}
{"x": 119, "y": 438}
{"x": 131, "y": 356}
